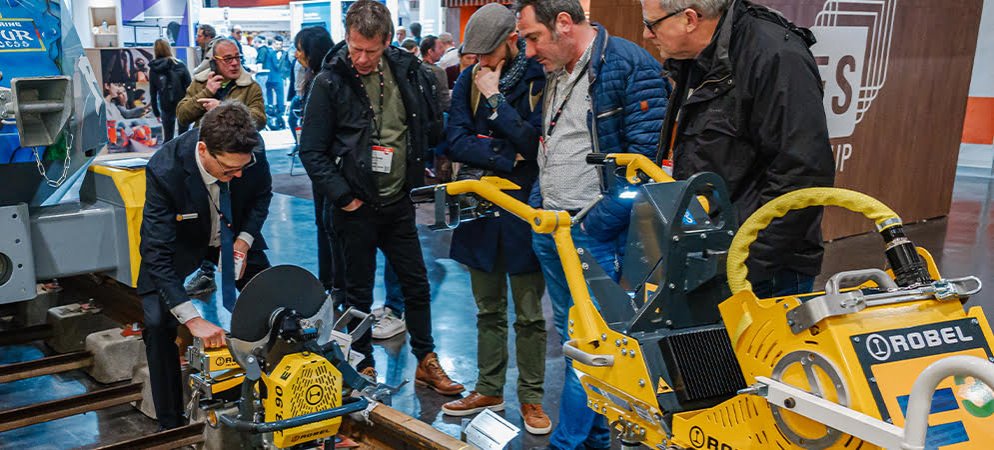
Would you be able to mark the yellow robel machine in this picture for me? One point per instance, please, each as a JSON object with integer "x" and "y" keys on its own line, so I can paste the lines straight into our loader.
{"x": 677, "y": 355}
{"x": 286, "y": 378}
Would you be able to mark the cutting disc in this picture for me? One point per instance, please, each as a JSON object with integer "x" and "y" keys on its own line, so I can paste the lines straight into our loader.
{"x": 276, "y": 287}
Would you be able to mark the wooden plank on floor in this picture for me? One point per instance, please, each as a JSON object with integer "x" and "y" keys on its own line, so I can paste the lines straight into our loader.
{"x": 393, "y": 429}
{"x": 163, "y": 440}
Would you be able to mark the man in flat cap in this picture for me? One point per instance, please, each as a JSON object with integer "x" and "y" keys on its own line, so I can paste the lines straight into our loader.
{"x": 494, "y": 125}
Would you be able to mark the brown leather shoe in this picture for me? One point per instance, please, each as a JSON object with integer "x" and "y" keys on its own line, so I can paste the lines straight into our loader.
{"x": 431, "y": 374}
{"x": 472, "y": 404}
{"x": 536, "y": 421}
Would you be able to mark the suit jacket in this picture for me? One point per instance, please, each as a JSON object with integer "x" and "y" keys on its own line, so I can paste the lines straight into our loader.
{"x": 172, "y": 249}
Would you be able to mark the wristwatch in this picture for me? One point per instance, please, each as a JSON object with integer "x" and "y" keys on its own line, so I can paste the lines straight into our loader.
{"x": 495, "y": 100}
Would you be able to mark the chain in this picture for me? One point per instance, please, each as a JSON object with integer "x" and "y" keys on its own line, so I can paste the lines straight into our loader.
{"x": 65, "y": 166}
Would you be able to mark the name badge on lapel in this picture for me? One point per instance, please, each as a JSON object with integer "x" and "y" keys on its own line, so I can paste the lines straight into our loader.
{"x": 187, "y": 216}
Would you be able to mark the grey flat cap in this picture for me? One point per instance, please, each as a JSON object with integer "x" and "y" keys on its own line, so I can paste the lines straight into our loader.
{"x": 487, "y": 28}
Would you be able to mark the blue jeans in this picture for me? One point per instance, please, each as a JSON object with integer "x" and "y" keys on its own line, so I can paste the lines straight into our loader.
{"x": 784, "y": 282}
{"x": 395, "y": 298}
{"x": 578, "y": 424}
{"x": 274, "y": 96}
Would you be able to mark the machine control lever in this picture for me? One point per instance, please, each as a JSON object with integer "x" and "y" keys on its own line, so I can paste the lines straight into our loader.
{"x": 586, "y": 210}
{"x": 572, "y": 351}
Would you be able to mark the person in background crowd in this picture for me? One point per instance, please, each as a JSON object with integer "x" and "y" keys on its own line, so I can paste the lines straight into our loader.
{"x": 450, "y": 53}
{"x": 764, "y": 131}
{"x": 236, "y": 35}
{"x": 494, "y": 125}
{"x": 261, "y": 45}
{"x": 205, "y": 34}
{"x": 225, "y": 80}
{"x": 401, "y": 36}
{"x": 370, "y": 117}
{"x": 416, "y": 32}
{"x": 169, "y": 80}
{"x": 604, "y": 95}
{"x": 312, "y": 44}
{"x": 209, "y": 89}
{"x": 466, "y": 60}
{"x": 431, "y": 51}
{"x": 277, "y": 62}
{"x": 411, "y": 46}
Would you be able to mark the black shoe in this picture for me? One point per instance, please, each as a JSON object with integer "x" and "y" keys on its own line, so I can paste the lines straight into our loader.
{"x": 200, "y": 284}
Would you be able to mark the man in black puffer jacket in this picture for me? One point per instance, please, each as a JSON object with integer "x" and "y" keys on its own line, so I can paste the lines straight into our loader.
{"x": 748, "y": 106}
{"x": 371, "y": 116}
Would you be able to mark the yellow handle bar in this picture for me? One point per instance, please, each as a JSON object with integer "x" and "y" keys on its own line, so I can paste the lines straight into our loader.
{"x": 738, "y": 253}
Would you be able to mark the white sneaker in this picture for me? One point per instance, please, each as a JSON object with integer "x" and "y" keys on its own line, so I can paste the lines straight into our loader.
{"x": 379, "y": 312}
{"x": 388, "y": 325}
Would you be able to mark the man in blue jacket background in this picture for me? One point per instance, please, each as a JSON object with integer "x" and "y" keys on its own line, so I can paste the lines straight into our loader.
{"x": 604, "y": 95}
{"x": 494, "y": 125}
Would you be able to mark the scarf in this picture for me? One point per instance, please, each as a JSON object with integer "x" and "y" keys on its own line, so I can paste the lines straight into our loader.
{"x": 511, "y": 76}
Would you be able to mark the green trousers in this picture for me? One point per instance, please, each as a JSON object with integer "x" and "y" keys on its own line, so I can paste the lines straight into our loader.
{"x": 490, "y": 291}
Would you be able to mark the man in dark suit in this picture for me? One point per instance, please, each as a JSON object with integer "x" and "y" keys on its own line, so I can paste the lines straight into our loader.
{"x": 207, "y": 195}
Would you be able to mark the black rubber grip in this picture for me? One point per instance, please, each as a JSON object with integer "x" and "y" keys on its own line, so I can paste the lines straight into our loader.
{"x": 596, "y": 158}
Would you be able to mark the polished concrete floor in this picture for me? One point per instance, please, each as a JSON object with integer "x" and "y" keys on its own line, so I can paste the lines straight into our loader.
{"x": 963, "y": 244}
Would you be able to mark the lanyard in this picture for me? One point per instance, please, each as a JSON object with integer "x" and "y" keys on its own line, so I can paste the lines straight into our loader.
{"x": 377, "y": 123}
{"x": 559, "y": 111}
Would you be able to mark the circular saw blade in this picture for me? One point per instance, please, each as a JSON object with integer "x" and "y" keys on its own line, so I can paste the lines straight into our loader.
{"x": 277, "y": 287}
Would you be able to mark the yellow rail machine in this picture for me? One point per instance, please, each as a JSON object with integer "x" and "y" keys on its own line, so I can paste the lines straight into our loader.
{"x": 674, "y": 360}
{"x": 288, "y": 356}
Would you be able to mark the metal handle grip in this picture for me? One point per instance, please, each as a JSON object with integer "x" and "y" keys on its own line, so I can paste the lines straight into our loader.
{"x": 853, "y": 278}
{"x": 572, "y": 351}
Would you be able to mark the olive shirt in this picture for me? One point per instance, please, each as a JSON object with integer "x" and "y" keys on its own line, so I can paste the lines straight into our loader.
{"x": 389, "y": 130}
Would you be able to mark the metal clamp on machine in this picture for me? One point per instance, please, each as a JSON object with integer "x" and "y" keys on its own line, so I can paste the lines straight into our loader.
{"x": 835, "y": 302}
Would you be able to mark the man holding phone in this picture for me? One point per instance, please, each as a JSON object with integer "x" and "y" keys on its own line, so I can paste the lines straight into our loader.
{"x": 225, "y": 80}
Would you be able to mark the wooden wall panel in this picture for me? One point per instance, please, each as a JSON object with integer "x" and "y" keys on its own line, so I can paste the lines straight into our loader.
{"x": 905, "y": 148}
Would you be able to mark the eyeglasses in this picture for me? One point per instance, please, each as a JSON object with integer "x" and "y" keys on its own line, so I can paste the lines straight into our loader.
{"x": 228, "y": 59}
{"x": 650, "y": 25}
{"x": 228, "y": 170}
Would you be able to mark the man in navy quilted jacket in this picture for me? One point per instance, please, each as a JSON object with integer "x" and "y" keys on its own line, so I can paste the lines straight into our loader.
{"x": 603, "y": 95}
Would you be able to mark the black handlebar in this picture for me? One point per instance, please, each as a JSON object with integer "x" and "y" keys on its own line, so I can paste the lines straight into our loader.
{"x": 424, "y": 194}
{"x": 596, "y": 158}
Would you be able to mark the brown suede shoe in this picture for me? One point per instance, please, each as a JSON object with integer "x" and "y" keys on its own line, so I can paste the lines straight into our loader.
{"x": 431, "y": 374}
{"x": 472, "y": 404}
{"x": 536, "y": 421}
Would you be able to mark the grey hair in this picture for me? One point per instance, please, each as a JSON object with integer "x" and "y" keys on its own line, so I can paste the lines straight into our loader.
{"x": 220, "y": 40}
{"x": 708, "y": 8}
{"x": 369, "y": 18}
{"x": 446, "y": 38}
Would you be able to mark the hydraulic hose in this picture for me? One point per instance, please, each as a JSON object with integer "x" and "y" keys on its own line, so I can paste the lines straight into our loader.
{"x": 908, "y": 267}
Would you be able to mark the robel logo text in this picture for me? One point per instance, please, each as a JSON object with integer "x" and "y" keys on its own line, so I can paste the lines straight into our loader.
{"x": 883, "y": 348}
